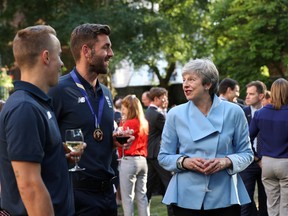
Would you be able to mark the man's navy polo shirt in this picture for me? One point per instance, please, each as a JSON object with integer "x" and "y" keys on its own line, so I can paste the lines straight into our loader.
{"x": 72, "y": 111}
{"x": 29, "y": 132}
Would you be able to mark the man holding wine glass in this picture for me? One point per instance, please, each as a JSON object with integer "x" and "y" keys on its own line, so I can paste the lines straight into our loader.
{"x": 34, "y": 171}
{"x": 80, "y": 101}
{"x": 74, "y": 141}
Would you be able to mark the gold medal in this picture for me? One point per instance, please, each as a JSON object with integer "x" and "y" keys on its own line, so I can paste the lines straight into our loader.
{"x": 98, "y": 134}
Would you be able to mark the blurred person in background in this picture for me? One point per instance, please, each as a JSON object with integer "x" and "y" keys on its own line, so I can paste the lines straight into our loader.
{"x": 146, "y": 101}
{"x": 163, "y": 108}
{"x": 158, "y": 177}
{"x": 117, "y": 120}
{"x": 229, "y": 90}
{"x": 117, "y": 109}
{"x": 251, "y": 176}
{"x": 204, "y": 149}
{"x": 133, "y": 167}
{"x": 267, "y": 98}
{"x": 271, "y": 125}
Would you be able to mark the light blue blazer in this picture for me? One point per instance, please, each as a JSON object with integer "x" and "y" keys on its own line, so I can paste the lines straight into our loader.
{"x": 223, "y": 133}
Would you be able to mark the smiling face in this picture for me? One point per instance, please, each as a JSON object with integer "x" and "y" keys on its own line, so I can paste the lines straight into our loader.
{"x": 193, "y": 88}
{"x": 100, "y": 55}
{"x": 232, "y": 94}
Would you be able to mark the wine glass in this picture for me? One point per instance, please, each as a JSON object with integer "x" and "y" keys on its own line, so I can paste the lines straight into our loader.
{"x": 122, "y": 135}
{"x": 205, "y": 156}
{"x": 74, "y": 141}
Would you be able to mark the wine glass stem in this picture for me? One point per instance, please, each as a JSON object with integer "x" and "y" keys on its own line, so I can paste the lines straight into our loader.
{"x": 76, "y": 161}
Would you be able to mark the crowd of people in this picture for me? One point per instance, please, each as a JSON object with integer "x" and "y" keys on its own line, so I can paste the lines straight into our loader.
{"x": 205, "y": 156}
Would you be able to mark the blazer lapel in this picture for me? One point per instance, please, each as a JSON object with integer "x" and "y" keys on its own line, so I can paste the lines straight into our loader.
{"x": 201, "y": 126}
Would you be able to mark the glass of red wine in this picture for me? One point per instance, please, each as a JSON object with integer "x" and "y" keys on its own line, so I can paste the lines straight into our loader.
{"x": 122, "y": 135}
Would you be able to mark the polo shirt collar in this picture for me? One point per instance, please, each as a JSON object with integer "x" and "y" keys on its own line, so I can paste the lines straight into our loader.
{"x": 32, "y": 89}
{"x": 86, "y": 84}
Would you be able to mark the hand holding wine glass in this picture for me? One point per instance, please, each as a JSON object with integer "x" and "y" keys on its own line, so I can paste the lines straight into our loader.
{"x": 74, "y": 141}
{"x": 122, "y": 135}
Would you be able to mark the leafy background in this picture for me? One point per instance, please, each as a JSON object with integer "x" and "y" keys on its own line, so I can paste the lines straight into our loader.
{"x": 247, "y": 39}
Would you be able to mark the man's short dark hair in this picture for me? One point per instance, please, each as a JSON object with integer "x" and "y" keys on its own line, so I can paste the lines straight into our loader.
{"x": 157, "y": 92}
{"x": 260, "y": 86}
{"x": 86, "y": 34}
{"x": 225, "y": 84}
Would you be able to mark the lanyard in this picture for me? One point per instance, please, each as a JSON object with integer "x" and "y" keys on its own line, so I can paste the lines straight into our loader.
{"x": 84, "y": 93}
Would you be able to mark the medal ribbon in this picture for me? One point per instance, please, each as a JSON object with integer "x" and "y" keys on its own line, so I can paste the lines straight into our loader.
{"x": 84, "y": 93}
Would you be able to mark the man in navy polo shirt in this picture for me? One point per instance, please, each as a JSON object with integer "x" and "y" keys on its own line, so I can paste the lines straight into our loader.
{"x": 80, "y": 101}
{"x": 34, "y": 171}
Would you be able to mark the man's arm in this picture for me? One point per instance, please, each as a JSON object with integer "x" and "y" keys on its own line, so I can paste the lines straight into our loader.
{"x": 33, "y": 192}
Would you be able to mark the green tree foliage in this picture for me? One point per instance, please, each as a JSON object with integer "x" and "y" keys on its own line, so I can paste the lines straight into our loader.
{"x": 61, "y": 15}
{"x": 247, "y": 36}
{"x": 144, "y": 32}
{"x": 5, "y": 84}
{"x": 244, "y": 37}
{"x": 173, "y": 33}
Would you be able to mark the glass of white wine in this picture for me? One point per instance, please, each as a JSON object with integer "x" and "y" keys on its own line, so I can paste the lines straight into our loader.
{"x": 74, "y": 141}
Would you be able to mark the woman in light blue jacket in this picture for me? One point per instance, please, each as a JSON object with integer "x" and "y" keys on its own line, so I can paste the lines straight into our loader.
{"x": 205, "y": 142}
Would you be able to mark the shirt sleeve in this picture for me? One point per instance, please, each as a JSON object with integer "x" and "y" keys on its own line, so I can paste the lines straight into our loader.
{"x": 243, "y": 154}
{"x": 253, "y": 131}
{"x": 25, "y": 133}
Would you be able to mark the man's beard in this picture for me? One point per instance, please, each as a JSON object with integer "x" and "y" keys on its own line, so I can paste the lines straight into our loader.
{"x": 97, "y": 65}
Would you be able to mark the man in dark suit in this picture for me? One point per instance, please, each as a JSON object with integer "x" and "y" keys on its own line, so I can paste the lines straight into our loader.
{"x": 157, "y": 176}
{"x": 252, "y": 174}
